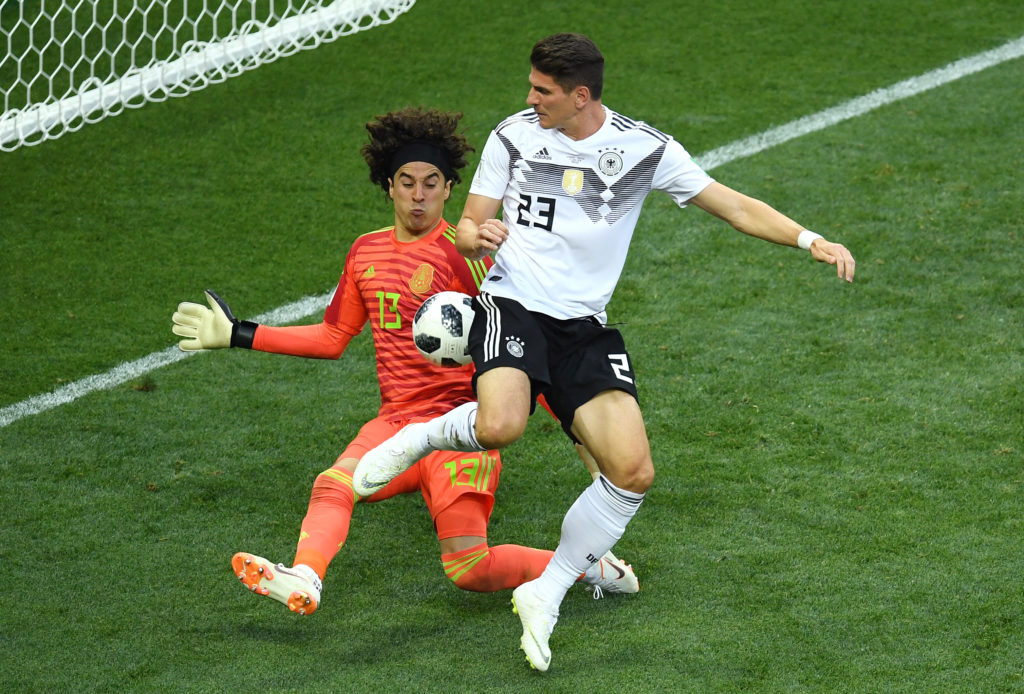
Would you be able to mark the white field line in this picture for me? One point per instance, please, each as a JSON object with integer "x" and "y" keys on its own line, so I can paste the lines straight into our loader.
{"x": 140, "y": 367}
{"x": 861, "y": 105}
{"x": 709, "y": 160}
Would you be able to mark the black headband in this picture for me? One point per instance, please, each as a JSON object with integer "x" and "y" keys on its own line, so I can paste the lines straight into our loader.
{"x": 419, "y": 150}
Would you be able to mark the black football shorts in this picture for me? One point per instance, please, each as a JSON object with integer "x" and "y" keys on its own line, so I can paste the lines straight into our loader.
{"x": 568, "y": 361}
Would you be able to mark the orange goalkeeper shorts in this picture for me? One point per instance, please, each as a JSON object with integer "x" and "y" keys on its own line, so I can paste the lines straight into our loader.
{"x": 458, "y": 488}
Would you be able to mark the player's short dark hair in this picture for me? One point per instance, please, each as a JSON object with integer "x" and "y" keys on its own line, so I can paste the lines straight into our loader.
{"x": 394, "y": 130}
{"x": 571, "y": 60}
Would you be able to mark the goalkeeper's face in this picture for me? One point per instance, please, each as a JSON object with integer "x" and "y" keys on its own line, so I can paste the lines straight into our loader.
{"x": 419, "y": 192}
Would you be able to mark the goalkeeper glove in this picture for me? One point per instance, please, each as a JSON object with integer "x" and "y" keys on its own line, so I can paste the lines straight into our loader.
{"x": 211, "y": 328}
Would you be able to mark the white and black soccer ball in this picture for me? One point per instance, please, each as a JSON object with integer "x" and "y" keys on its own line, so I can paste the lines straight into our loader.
{"x": 441, "y": 328}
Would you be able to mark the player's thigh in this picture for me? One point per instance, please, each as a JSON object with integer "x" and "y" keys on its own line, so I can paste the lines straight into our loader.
{"x": 371, "y": 434}
{"x": 611, "y": 426}
{"x": 511, "y": 356}
{"x": 458, "y": 489}
{"x": 505, "y": 400}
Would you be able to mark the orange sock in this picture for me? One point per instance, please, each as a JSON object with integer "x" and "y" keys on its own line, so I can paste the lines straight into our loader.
{"x": 487, "y": 569}
{"x": 325, "y": 527}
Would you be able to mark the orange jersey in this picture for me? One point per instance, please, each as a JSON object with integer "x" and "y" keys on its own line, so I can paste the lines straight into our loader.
{"x": 384, "y": 282}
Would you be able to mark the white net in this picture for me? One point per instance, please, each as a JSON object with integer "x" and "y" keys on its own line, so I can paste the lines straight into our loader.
{"x": 71, "y": 62}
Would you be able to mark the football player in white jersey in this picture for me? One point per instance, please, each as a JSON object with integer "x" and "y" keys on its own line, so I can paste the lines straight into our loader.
{"x": 570, "y": 176}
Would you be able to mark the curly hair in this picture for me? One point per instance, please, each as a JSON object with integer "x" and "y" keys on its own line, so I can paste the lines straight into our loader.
{"x": 393, "y": 130}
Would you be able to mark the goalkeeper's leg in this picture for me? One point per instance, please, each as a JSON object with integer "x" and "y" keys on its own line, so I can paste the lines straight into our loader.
{"x": 472, "y": 565}
{"x": 328, "y": 518}
{"x": 329, "y": 515}
{"x": 324, "y": 529}
{"x": 487, "y": 569}
{"x": 467, "y": 560}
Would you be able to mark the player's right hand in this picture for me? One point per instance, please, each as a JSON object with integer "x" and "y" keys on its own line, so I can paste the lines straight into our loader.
{"x": 834, "y": 254}
{"x": 491, "y": 234}
{"x": 203, "y": 328}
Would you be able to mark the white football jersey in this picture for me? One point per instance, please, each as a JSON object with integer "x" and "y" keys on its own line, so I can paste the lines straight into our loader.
{"x": 571, "y": 206}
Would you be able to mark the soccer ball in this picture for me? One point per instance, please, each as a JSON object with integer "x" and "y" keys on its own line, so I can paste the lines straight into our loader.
{"x": 441, "y": 328}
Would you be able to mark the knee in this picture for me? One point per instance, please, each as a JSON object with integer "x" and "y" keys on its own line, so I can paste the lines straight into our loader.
{"x": 497, "y": 429}
{"x": 642, "y": 479}
{"x": 636, "y": 477}
{"x": 328, "y": 488}
{"x": 471, "y": 581}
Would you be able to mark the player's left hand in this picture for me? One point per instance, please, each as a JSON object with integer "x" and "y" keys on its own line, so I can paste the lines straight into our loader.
{"x": 203, "y": 328}
{"x": 834, "y": 254}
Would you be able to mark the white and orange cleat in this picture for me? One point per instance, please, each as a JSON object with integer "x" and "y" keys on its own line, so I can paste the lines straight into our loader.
{"x": 296, "y": 587}
{"x": 611, "y": 575}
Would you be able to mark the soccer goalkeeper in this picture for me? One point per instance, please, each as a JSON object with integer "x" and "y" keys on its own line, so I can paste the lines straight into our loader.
{"x": 415, "y": 155}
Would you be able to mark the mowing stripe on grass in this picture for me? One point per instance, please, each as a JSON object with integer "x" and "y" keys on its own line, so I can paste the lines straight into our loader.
{"x": 861, "y": 105}
{"x": 717, "y": 157}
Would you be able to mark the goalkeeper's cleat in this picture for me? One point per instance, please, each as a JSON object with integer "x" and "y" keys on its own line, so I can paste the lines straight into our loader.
{"x": 616, "y": 576}
{"x": 538, "y": 620}
{"x": 296, "y": 587}
{"x": 387, "y": 461}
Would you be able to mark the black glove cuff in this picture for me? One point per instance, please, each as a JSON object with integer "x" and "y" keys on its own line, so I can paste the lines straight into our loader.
{"x": 243, "y": 333}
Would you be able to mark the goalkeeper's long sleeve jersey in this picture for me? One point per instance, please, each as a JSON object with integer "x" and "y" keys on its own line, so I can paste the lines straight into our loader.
{"x": 383, "y": 283}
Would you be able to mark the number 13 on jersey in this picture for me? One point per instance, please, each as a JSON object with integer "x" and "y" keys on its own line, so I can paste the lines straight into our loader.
{"x": 390, "y": 318}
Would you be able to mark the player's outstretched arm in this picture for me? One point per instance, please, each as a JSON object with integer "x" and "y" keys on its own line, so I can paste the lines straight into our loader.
{"x": 478, "y": 232}
{"x": 756, "y": 218}
{"x": 210, "y": 328}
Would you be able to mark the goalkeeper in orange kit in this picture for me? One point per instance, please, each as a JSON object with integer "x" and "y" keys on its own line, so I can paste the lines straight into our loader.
{"x": 415, "y": 155}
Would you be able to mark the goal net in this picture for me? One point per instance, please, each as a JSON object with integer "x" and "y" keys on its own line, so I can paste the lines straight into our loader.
{"x": 65, "y": 63}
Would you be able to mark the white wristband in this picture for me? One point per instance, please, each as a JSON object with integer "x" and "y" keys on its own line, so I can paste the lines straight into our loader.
{"x": 806, "y": 238}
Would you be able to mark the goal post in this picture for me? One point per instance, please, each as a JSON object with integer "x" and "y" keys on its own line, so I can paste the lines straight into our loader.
{"x": 65, "y": 63}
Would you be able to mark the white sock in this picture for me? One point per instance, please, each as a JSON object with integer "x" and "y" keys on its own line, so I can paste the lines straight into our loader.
{"x": 593, "y": 574}
{"x": 454, "y": 430}
{"x": 592, "y": 526}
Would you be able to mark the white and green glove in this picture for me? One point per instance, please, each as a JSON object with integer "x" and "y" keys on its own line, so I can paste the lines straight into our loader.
{"x": 211, "y": 328}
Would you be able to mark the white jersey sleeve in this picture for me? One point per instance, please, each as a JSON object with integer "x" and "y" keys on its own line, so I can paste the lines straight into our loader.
{"x": 491, "y": 177}
{"x": 678, "y": 175}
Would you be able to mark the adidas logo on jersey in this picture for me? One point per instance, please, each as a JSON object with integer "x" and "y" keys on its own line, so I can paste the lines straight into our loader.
{"x": 542, "y": 154}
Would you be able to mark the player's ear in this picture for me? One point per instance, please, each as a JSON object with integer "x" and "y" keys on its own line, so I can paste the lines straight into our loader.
{"x": 447, "y": 189}
{"x": 581, "y": 95}
{"x": 391, "y": 188}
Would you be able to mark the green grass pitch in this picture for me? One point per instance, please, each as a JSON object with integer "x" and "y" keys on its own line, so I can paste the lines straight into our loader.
{"x": 840, "y": 494}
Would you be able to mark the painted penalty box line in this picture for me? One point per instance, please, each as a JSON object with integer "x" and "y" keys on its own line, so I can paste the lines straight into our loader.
{"x": 739, "y": 149}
